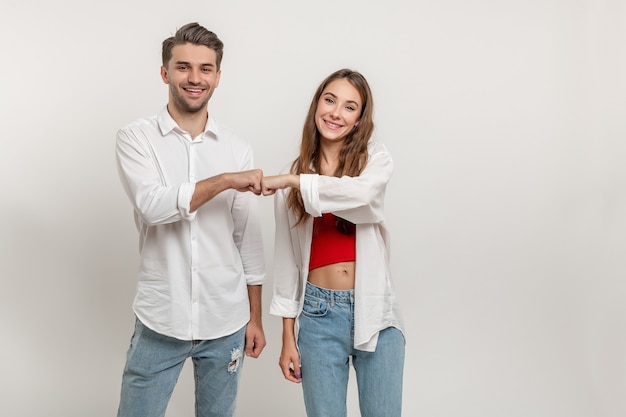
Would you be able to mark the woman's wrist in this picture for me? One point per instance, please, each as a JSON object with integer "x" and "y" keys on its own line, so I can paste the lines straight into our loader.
{"x": 294, "y": 181}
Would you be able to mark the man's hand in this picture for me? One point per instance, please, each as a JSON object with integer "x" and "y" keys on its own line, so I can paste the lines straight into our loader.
{"x": 255, "y": 339}
{"x": 246, "y": 180}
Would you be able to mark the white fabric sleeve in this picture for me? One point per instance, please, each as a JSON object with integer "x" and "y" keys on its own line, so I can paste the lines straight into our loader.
{"x": 155, "y": 202}
{"x": 357, "y": 199}
{"x": 287, "y": 287}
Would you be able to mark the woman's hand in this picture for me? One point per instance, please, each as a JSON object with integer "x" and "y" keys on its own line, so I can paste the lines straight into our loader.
{"x": 289, "y": 362}
{"x": 270, "y": 184}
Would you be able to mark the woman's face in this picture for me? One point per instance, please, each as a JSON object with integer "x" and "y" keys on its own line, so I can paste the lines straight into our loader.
{"x": 338, "y": 110}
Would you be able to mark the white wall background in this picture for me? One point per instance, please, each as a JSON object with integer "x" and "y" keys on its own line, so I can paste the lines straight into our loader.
{"x": 507, "y": 207}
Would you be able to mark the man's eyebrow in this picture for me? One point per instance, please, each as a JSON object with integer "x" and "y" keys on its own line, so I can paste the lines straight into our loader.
{"x": 207, "y": 64}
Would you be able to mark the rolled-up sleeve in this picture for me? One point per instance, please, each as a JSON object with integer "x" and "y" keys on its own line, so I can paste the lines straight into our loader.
{"x": 357, "y": 199}
{"x": 287, "y": 287}
{"x": 154, "y": 201}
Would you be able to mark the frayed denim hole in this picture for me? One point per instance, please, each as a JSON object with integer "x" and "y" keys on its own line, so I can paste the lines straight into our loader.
{"x": 235, "y": 359}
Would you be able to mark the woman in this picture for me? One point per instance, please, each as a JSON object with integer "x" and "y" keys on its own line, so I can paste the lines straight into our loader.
{"x": 332, "y": 282}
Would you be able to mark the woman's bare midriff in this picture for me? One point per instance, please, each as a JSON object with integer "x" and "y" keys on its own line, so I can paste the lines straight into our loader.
{"x": 339, "y": 276}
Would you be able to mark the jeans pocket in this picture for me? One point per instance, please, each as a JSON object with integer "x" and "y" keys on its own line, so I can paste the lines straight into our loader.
{"x": 314, "y": 307}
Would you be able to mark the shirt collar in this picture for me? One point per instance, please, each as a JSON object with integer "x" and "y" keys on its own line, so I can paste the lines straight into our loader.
{"x": 167, "y": 124}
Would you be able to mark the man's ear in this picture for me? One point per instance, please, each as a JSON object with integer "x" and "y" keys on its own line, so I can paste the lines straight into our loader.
{"x": 217, "y": 78}
{"x": 164, "y": 75}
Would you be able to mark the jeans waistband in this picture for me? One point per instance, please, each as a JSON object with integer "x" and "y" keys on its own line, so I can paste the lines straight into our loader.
{"x": 338, "y": 296}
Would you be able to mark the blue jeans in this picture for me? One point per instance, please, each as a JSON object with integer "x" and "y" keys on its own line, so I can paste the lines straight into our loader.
{"x": 325, "y": 341}
{"x": 154, "y": 363}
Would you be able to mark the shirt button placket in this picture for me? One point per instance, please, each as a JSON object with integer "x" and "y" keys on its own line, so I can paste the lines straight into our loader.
{"x": 194, "y": 251}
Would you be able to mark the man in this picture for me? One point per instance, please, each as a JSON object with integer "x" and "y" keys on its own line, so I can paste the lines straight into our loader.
{"x": 201, "y": 255}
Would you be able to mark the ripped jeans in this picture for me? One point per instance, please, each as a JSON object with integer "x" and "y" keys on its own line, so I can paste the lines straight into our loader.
{"x": 154, "y": 363}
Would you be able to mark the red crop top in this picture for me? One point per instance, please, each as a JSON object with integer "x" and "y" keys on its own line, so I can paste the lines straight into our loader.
{"x": 329, "y": 245}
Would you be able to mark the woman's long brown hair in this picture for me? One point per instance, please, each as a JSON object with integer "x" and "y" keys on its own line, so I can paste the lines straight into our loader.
{"x": 353, "y": 155}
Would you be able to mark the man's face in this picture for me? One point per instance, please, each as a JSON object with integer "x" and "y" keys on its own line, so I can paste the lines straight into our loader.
{"x": 192, "y": 77}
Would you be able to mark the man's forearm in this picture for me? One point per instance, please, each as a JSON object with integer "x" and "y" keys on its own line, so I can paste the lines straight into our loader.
{"x": 241, "y": 181}
{"x": 255, "y": 293}
{"x": 207, "y": 189}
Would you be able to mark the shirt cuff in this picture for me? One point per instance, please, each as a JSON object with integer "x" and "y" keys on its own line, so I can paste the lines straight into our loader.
{"x": 185, "y": 192}
{"x": 310, "y": 194}
{"x": 283, "y": 307}
{"x": 254, "y": 279}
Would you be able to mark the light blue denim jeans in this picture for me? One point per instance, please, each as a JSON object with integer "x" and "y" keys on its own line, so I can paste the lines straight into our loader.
{"x": 326, "y": 340}
{"x": 154, "y": 363}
